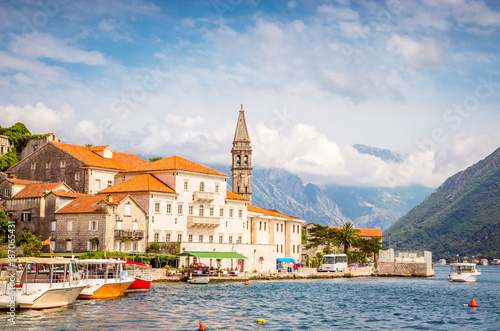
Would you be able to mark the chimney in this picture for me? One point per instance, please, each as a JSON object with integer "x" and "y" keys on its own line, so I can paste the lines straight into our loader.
{"x": 110, "y": 198}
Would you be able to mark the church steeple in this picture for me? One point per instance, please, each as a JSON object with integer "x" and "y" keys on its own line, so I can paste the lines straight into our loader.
{"x": 242, "y": 159}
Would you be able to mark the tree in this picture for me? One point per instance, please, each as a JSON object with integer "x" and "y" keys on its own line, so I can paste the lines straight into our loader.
{"x": 31, "y": 244}
{"x": 321, "y": 235}
{"x": 95, "y": 242}
{"x": 153, "y": 247}
{"x": 327, "y": 249}
{"x": 347, "y": 236}
{"x": 370, "y": 246}
{"x": 155, "y": 159}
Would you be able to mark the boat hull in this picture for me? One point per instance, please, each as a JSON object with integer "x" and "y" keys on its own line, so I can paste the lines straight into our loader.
{"x": 198, "y": 281}
{"x": 51, "y": 298}
{"x": 105, "y": 291}
{"x": 140, "y": 285}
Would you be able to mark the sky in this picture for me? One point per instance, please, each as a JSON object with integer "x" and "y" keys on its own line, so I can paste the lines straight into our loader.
{"x": 162, "y": 78}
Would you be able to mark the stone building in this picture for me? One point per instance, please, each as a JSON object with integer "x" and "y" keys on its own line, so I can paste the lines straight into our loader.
{"x": 242, "y": 159}
{"x": 11, "y": 186}
{"x": 117, "y": 222}
{"x": 36, "y": 143}
{"x": 5, "y": 145}
{"x": 85, "y": 169}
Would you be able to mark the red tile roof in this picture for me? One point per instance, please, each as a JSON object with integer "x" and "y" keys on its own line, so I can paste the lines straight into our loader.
{"x": 89, "y": 203}
{"x": 364, "y": 232}
{"x": 233, "y": 196}
{"x": 68, "y": 194}
{"x": 269, "y": 212}
{"x": 36, "y": 190}
{"x": 177, "y": 163}
{"x": 120, "y": 161}
{"x": 142, "y": 183}
{"x": 22, "y": 181}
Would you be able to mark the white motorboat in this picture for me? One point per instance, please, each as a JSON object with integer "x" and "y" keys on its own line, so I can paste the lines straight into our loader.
{"x": 39, "y": 283}
{"x": 198, "y": 280}
{"x": 463, "y": 272}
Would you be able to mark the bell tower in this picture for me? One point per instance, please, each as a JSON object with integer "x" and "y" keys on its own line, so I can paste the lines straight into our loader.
{"x": 241, "y": 168}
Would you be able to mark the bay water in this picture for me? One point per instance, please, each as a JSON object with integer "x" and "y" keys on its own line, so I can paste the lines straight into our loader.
{"x": 369, "y": 303}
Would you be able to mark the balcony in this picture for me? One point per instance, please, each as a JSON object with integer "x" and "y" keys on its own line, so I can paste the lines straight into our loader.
{"x": 129, "y": 234}
{"x": 200, "y": 221}
{"x": 203, "y": 196}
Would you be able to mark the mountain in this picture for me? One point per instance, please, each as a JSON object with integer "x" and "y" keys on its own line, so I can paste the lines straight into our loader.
{"x": 461, "y": 217}
{"x": 384, "y": 154}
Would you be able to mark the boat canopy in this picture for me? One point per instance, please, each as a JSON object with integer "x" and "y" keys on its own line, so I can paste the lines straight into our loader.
{"x": 285, "y": 259}
{"x": 142, "y": 265}
{"x": 54, "y": 260}
{"x": 99, "y": 261}
{"x": 215, "y": 255}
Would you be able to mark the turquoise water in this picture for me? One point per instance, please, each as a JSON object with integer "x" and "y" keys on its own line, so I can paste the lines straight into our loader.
{"x": 373, "y": 303}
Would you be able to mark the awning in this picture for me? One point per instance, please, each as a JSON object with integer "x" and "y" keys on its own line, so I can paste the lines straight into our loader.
{"x": 215, "y": 255}
{"x": 285, "y": 259}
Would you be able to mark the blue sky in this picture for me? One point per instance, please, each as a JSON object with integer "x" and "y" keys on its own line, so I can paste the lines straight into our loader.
{"x": 158, "y": 78}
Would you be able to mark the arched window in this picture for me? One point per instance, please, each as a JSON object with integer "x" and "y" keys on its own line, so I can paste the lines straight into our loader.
{"x": 238, "y": 161}
{"x": 245, "y": 160}
{"x": 202, "y": 187}
{"x": 238, "y": 189}
{"x": 246, "y": 189}
{"x": 201, "y": 211}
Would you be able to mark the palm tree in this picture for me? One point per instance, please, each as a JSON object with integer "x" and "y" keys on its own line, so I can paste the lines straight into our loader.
{"x": 347, "y": 236}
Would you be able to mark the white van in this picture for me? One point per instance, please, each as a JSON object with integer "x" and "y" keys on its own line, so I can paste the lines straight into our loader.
{"x": 333, "y": 262}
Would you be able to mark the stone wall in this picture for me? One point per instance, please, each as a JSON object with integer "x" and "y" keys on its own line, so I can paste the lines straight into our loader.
{"x": 34, "y": 144}
{"x": 404, "y": 269}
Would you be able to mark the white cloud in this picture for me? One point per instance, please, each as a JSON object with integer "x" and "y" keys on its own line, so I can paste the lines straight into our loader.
{"x": 292, "y": 4}
{"x": 38, "y": 118}
{"x": 427, "y": 54}
{"x": 46, "y": 46}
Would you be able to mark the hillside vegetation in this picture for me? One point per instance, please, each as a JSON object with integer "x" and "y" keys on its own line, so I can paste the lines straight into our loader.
{"x": 461, "y": 217}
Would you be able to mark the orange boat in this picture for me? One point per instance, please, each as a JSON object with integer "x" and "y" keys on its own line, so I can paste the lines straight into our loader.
{"x": 107, "y": 278}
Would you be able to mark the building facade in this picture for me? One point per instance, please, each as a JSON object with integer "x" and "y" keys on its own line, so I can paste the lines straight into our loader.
{"x": 34, "y": 144}
{"x": 5, "y": 145}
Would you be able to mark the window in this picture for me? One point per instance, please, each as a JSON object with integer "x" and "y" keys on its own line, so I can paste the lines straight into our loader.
{"x": 202, "y": 187}
{"x": 216, "y": 188}
{"x": 210, "y": 239}
{"x": 157, "y": 207}
{"x": 179, "y": 210}
{"x": 185, "y": 185}
{"x": 77, "y": 177}
{"x": 110, "y": 183}
{"x": 26, "y": 216}
{"x": 135, "y": 247}
{"x": 240, "y": 213}
{"x": 169, "y": 208}
{"x": 7, "y": 193}
{"x": 221, "y": 239}
{"x": 201, "y": 211}
{"x": 211, "y": 211}
{"x": 93, "y": 225}
{"x": 221, "y": 212}
{"x": 238, "y": 161}
{"x": 97, "y": 185}
{"x": 33, "y": 166}
{"x": 281, "y": 248}
{"x": 231, "y": 213}
{"x": 167, "y": 237}
{"x": 238, "y": 241}
{"x": 260, "y": 225}
{"x": 91, "y": 246}
{"x": 47, "y": 165}
{"x": 230, "y": 239}
{"x": 69, "y": 246}
{"x": 265, "y": 226}
{"x": 281, "y": 227}
{"x": 190, "y": 210}
{"x": 119, "y": 225}
{"x": 277, "y": 248}
{"x": 245, "y": 160}
{"x": 127, "y": 209}
{"x": 157, "y": 237}
{"x": 190, "y": 238}
{"x": 200, "y": 238}
{"x": 179, "y": 237}
{"x": 277, "y": 227}
{"x": 69, "y": 226}
{"x": 53, "y": 226}
{"x": 135, "y": 225}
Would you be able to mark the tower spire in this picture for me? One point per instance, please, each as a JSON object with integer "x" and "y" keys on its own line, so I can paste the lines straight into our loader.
{"x": 242, "y": 159}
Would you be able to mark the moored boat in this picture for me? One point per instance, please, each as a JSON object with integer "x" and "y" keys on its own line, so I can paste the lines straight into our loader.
{"x": 463, "y": 272}
{"x": 107, "y": 278}
{"x": 198, "y": 280}
{"x": 142, "y": 275}
{"x": 40, "y": 283}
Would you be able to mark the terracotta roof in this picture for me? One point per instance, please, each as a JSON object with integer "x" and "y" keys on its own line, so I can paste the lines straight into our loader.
{"x": 268, "y": 212}
{"x": 177, "y": 163}
{"x": 364, "y": 232}
{"x": 68, "y": 194}
{"x": 234, "y": 196}
{"x": 89, "y": 203}
{"x": 120, "y": 161}
{"x": 142, "y": 183}
{"x": 22, "y": 181}
{"x": 98, "y": 148}
{"x": 35, "y": 190}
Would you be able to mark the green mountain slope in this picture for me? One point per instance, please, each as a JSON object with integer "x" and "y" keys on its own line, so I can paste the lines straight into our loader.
{"x": 461, "y": 217}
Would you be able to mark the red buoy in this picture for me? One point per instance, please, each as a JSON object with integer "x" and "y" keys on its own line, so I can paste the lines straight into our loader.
{"x": 246, "y": 282}
{"x": 202, "y": 327}
{"x": 473, "y": 303}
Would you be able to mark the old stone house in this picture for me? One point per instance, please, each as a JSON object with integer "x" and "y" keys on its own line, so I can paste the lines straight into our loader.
{"x": 85, "y": 169}
{"x": 116, "y": 221}
{"x": 5, "y": 145}
{"x": 11, "y": 186}
{"x": 36, "y": 143}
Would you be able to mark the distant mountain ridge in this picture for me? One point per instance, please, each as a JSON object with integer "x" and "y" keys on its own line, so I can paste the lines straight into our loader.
{"x": 461, "y": 217}
{"x": 384, "y": 154}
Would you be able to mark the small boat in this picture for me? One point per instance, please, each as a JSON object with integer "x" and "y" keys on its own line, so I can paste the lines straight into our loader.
{"x": 199, "y": 280}
{"x": 107, "y": 278}
{"x": 40, "y": 283}
{"x": 463, "y": 272}
{"x": 142, "y": 275}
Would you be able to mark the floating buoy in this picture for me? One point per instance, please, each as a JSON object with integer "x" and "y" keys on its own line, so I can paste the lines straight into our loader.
{"x": 246, "y": 282}
{"x": 202, "y": 327}
{"x": 473, "y": 303}
{"x": 261, "y": 321}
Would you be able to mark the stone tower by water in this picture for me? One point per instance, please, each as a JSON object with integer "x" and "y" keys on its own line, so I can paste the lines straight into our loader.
{"x": 242, "y": 159}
